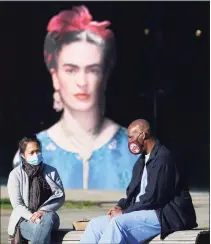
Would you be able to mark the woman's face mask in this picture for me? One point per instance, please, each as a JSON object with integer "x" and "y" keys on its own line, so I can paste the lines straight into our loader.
{"x": 32, "y": 154}
{"x": 35, "y": 159}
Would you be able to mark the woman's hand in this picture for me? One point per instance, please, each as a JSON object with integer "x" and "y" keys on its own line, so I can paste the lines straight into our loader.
{"x": 35, "y": 218}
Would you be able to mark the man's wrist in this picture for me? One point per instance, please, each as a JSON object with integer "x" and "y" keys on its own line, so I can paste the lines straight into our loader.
{"x": 118, "y": 207}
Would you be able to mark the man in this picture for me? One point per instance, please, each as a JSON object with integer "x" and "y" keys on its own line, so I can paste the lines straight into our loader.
{"x": 157, "y": 202}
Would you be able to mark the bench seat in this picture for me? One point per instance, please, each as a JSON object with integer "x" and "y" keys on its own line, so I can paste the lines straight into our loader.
{"x": 68, "y": 236}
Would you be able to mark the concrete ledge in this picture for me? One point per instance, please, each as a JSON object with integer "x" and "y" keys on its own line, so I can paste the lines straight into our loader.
{"x": 68, "y": 236}
{"x": 110, "y": 196}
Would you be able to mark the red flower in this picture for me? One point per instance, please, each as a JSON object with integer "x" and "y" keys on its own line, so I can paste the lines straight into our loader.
{"x": 78, "y": 19}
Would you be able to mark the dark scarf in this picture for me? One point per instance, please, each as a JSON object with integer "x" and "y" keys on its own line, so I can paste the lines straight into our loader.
{"x": 39, "y": 190}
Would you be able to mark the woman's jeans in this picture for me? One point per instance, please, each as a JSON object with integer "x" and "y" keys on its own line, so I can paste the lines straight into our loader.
{"x": 40, "y": 233}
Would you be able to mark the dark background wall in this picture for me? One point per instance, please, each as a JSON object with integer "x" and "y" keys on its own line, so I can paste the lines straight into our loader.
{"x": 170, "y": 58}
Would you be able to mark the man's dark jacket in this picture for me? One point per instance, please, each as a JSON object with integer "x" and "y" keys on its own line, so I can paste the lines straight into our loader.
{"x": 166, "y": 192}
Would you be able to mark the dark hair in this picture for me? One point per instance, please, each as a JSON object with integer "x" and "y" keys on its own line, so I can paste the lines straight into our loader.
{"x": 53, "y": 46}
{"x": 23, "y": 143}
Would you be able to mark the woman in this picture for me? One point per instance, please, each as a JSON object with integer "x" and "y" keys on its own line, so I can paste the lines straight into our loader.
{"x": 36, "y": 193}
{"x": 88, "y": 150}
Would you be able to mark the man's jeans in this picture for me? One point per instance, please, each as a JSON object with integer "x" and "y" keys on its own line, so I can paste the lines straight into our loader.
{"x": 131, "y": 228}
{"x": 40, "y": 233}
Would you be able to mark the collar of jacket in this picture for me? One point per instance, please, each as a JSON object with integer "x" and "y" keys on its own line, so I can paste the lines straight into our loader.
{"x": 154, "y": 151}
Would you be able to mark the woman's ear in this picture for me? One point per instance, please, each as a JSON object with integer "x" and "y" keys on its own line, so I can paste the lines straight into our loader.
{"x": 22, "y": 156}
{"x": 55, "y": 79}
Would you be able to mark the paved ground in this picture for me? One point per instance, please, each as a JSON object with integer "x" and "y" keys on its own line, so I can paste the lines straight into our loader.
{"x": 69, "y": 215}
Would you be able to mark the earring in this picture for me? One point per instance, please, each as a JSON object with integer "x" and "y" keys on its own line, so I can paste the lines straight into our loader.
{"x": 57, "y": 102}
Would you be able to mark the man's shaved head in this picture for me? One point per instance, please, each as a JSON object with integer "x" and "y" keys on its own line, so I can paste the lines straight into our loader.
{"x": 140, "y": 138}
{"x": 140, "y": 125}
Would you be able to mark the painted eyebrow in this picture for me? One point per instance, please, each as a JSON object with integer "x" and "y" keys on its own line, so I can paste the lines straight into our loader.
{"x": 88, "y": 66}
{"x": 70, "y": 65}
{"x": 94, "y": 65}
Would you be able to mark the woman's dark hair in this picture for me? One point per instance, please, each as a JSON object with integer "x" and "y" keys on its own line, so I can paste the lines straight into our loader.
{"x": 23, "y": 143}
{"x": 54, "y": 45}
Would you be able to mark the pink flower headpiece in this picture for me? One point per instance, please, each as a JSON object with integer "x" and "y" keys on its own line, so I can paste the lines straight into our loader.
{"x": 78, "y": 19}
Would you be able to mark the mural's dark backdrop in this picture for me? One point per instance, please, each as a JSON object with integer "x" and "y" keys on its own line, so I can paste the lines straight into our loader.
{"x": 170, "y": 58}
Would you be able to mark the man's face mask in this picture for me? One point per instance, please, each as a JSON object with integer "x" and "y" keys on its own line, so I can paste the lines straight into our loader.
{"x": 135, "y": 146}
